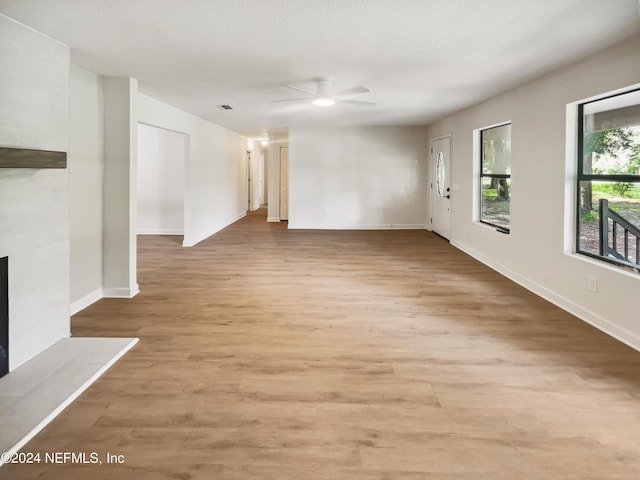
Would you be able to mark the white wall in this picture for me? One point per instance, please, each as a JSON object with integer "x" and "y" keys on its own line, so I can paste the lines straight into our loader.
{"x": 160, "y": 197}
{"x": 85, "y": 170}
{"x": 358, "y": 177}
{"x": 34, "y": 204}
{"x": 119, "y": 201}
{"x": 533, "y": 253}
{"x": 215, "y": 173}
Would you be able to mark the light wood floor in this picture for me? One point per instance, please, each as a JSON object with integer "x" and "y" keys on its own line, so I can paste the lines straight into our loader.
{"x": 274, "y": 354}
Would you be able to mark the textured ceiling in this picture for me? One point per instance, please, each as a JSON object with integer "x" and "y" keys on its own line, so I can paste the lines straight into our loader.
{"x": 421, "y": 59}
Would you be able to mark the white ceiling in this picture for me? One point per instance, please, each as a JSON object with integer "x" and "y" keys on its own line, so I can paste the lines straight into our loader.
{"x": 421, "y": 59}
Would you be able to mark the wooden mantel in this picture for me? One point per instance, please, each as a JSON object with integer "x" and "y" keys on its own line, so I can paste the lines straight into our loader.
{"x": 28, "y": 158}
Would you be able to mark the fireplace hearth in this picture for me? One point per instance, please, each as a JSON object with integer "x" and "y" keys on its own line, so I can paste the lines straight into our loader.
{"x": 4, "y": 316}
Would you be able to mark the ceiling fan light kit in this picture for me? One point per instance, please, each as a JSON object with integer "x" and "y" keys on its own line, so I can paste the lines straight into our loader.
{"x": 323, "y": 97}
{"x": 323, "y": 102}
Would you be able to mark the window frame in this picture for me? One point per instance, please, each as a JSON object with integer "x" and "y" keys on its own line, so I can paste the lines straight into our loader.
{"x": 482, "y": 175}
{"x": 586, "y": 177}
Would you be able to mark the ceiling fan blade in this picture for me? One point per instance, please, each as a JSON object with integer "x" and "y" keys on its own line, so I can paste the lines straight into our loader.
{"x": 308, "y": 92}
{"x": 358, "y": 103}
{"x": 352, "y": 91}
{"x": 293, "y": 100}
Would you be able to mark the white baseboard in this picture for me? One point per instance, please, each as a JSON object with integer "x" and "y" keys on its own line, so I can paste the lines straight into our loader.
{"x": 121, "y": 292}
{"x": 85, "y": 301}
{"x": 273, "y": 219}
{"x": 610, "y": 328}
{"x": 379, "y": 226}
{"x": 242, "y": 215}
{"x": 192, "y": 243}
{"x": 154, "y": 231}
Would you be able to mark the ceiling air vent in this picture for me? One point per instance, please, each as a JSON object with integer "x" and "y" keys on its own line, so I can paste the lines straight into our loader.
{"x": 225, "y": 107}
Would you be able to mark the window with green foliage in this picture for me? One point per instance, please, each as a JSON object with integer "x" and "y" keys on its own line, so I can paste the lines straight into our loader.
{"x": 495, "y": 176}
{"x": 608, "y": 196}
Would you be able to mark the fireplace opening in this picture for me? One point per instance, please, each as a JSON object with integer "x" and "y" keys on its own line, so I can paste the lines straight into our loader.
{"x": 4, "y": 316}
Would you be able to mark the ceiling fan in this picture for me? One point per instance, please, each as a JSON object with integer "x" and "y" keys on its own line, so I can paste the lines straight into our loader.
{"x": 324, "y": 97}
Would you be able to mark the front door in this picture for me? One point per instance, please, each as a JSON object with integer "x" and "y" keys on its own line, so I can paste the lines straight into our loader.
{"x": 441, "y": 186}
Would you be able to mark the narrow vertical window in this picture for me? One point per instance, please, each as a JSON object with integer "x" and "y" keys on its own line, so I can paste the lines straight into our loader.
{"x": 495, "y": 176}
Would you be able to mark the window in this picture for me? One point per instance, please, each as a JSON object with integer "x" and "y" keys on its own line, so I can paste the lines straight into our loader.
{"x": 608, "y": 196}
{"x": 495, "y": 176}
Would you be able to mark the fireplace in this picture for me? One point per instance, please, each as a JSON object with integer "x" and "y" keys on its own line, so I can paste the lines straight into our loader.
{"x": 4, "y": 316}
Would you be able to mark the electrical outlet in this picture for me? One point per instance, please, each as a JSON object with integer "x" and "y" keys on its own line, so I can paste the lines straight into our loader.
{"x": 593, "y": 283}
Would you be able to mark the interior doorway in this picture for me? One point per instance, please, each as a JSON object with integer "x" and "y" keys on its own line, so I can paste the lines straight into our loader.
{"x": 249, "y": 174}
{"x": 440, "y": 172}
{"x": 284, "y": 183}
{"x": 262, "y": 179}
{"x": 162, "y": 156}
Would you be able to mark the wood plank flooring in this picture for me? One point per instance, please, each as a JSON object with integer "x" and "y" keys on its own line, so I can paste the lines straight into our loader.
{"x": 328, "y": 355}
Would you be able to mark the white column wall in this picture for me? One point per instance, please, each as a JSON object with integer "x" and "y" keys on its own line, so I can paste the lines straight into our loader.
{"x": 85, "y": 169}
{"x": 120, "y": 171}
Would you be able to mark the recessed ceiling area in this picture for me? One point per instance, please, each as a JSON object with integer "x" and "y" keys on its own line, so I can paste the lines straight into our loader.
{"x": 420, "y": 59}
